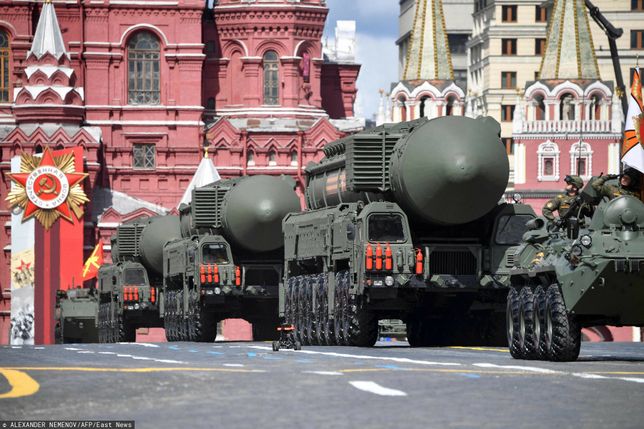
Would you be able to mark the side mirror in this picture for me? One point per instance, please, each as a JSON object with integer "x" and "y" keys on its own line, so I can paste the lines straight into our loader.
{"x": 536, "y": 223}
{"x": 351, "y": 231}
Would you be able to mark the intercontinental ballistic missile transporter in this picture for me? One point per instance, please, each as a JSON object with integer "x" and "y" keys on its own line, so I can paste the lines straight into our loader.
{"x": 76, "y": 316}
{"x": 229, "y": 260}
{"x": 130, "y": 288}
{"x": 404, "y": 222}
{"x": 581, "y": 273}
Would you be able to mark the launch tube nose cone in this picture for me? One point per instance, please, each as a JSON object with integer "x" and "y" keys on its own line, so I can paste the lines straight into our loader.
{"x": 254, "y": 209}
{"x": 451, "y": 170}
{"x": 463, "y": 170}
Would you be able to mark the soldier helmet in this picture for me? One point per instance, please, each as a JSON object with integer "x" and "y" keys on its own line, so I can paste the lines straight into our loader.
{"x": 576, "y": 181}
{"x": 634, "y": 175}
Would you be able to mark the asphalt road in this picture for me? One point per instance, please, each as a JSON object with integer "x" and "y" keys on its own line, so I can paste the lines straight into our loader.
{"x": 247, "y": 385}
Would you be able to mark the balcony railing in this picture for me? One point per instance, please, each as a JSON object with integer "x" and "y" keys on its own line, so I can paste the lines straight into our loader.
{"x": 566, "y": 126}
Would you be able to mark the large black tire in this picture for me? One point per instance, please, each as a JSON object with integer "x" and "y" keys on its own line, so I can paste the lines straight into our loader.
{"x": 563, "y": 334}
{"x": 298, "y": 308}
{"x": 322, "y": 311}
{"x": 513, "y": 314}
{"x": 526, "y": 323}
{"x": 201, "y": 324}
{"x": 340, "y": 310}
{"x": 539, "y": 323}
{"x": 126, "y": 331}
{"x": 308, "y": 316}
{"x": 169, "y": 316}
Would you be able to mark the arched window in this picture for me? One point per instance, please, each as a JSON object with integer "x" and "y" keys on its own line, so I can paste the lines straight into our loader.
{"x": 250, "y": 158}
{"x": 272, "y": 158}
{"x": 581, "y": 160}
{"x": 548, "y": 158}
{"x": 271, "y": 78}
{"x": 403, "y": 108}
{"x": 294, "y": 158}
{"x": 539, "y": 108}
{"x": 143, "y": 60}
{"x": 4, "y": 66}
{"x": 595, "y": 107}
{"x": 567, "y": 108}
{"x": 423, "y": 106}
{"x": 449, "y": 107}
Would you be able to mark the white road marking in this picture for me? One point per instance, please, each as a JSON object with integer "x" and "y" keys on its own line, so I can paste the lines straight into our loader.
{"x": 323, "y": 372}
{"x": 346, "y": 355}
{"x": 72, "y": 349}
{"x": 121, "y": 355}
{"x": 16, "y": 347}
{"x": 518, "y": 368}
{"x": 236, "y": 365}
{"x": 39, "y": 348}
{"x": 375, "y": 388}
{"x": 167, "y": 361}
{"x": 142, "y": 344}
{"x": 85, "y": 352}
{"x": 589, "y": 376}
{"x": 634, "y": 380}
{"x": 106, "y": 353}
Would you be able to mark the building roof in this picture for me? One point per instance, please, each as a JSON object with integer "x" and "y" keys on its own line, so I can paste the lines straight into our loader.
{"x": 48, "y": 37}
{"x": 428, "y": 55}
{"x": 206, "y": 173}
{"x": 569, "y": 45}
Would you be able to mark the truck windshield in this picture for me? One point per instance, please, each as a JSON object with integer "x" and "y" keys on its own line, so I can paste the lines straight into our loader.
{"x": 134, "y": 277}
{"x": 511, "y": 229}
{"x": 386, "y": 227}
{"x": 215, "y": 253}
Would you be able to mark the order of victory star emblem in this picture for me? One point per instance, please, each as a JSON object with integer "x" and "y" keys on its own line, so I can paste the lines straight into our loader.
{"x": 48, "y": 188}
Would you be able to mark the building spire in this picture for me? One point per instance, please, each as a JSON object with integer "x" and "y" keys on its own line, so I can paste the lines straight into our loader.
{"x": 48, "y": 37}
{"x": 569, "y": 47}
{"x": 428, "y": 55}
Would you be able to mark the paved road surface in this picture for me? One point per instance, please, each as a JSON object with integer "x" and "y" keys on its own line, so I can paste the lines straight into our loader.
{"x": 247, "y": 385}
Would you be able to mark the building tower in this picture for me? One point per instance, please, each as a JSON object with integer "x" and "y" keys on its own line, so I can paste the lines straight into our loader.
{"x": 273, "y": 97}
{"x": 568, "y": 121}
{"x": 427, "y": 87}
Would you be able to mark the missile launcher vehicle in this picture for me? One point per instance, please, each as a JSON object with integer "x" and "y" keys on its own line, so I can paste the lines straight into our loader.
{"x": 76, "y": 316}
{"x": 130, "y": 287}
{"x": 404, "y": 222}
{"x": 220, "y": 258}
{"x": 228, "y": 262}
{"x": 575, "y": 274}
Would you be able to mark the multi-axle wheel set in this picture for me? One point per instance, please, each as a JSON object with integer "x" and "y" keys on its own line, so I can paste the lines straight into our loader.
{"x": 539, "y": 326}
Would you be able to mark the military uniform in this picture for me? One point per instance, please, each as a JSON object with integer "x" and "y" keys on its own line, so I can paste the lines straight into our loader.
{"x": 560, "y": 203}
{"x": 612, "y": 191}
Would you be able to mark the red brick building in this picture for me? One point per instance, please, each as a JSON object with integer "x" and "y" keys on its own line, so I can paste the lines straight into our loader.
{"x": 143, "y": 86}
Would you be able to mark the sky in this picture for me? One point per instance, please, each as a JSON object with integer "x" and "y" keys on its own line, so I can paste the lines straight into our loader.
{"x": 377, "y": 31}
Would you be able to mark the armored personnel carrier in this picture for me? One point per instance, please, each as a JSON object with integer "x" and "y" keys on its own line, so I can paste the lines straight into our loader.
{"x": 404, "y": 222}
{"x": 575, "y": 274}
{"x": 130, "y": 288}
{"x": 228, "y": 261}
{"x": 76, "y": 316}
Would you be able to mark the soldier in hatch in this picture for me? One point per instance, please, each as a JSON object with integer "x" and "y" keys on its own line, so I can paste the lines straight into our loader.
{"x": 629, "y": 184}
{"x": 562, "y": 202}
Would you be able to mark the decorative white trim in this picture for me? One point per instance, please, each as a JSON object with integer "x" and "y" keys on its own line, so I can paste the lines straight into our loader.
{"x": 548, "y": 149}
{"x": 585, "y": 152}
{"x": 136, "y": 27}
{"x": 272, "y": 111}
{"x": 146, "y": 123}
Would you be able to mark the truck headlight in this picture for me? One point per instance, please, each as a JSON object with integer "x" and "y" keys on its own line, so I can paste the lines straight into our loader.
{"x": 576, "y": 250}
{"x": 586, "y": 240}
